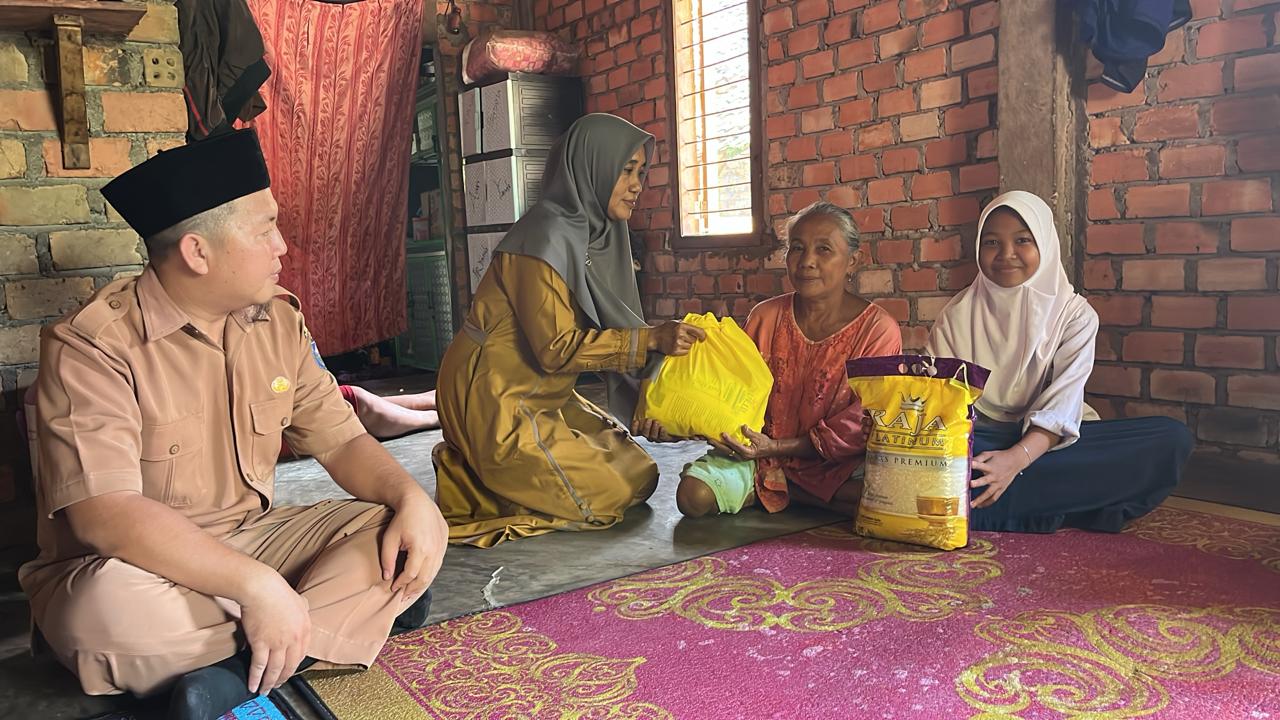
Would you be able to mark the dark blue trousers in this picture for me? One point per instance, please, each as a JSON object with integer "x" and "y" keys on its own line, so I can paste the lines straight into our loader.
{"x": 1117, "y": 471}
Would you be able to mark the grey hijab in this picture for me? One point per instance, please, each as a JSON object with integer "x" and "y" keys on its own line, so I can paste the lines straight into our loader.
{"x": 570, "y": 230}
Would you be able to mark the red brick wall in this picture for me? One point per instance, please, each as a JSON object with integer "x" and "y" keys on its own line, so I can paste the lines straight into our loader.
{"x": 1183, "y": 244}
{"x": 885, "y": 108}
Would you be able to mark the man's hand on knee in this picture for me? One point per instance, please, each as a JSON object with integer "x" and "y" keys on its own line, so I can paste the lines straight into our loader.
{"x": 277, "y": 624}
{"x": 419, "y": 530}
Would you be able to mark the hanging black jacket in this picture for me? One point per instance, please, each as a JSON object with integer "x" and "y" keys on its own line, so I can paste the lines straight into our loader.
{"x": 222, "y": 53}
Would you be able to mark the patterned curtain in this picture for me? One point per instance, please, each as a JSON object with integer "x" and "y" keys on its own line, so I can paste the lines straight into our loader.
{"x": 337, "y": 135}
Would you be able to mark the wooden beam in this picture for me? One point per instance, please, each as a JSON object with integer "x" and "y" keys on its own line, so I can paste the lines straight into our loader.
{"x": 75, "y": 116}
{"x": 106, "y": 17}
{"x": 1040, "y": 126}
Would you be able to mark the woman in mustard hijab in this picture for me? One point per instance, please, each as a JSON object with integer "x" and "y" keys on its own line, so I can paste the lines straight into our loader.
{"x": 523, "y": 454}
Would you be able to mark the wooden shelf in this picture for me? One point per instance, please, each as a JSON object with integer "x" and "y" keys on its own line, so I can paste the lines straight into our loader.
{"x": 101, "y": 17}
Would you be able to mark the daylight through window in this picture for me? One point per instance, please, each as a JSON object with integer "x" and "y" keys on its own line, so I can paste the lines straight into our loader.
{"x": 714, "y": 117}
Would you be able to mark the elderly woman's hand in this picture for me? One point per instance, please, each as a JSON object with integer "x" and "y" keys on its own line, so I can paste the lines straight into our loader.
{"x": 675, "y": 338}
{"x": 762, "y": 446}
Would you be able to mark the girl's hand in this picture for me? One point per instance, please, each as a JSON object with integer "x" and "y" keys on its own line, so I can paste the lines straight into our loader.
{"x": 998, "y": 468}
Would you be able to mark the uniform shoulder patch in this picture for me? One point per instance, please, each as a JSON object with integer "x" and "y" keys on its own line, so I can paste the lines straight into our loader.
{"x": 102, "y": 310}
{"x": 315, "y": 351}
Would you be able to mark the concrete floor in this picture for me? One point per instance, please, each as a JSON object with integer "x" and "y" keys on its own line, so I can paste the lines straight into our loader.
{"x": 652, "y": 535}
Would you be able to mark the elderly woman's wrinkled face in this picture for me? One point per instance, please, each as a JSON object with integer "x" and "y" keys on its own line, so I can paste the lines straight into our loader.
{"x": 1007, "y": 251}
{"x": 622, "y": 202}
{"x": 819, "y": 259}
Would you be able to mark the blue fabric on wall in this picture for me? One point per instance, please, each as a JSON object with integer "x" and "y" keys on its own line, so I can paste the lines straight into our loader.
{"x": 1125, "y": 33}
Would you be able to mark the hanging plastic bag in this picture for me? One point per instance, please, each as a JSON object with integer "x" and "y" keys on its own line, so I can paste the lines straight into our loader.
{"x": 721, "y": 385}
{"x": 919, "y": 448}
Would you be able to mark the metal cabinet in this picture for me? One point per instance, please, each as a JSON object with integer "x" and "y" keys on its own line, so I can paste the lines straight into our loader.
{"x": 501, "y": 189}
{"x": 520, "y": 111}
{"x": 508, "y": 128}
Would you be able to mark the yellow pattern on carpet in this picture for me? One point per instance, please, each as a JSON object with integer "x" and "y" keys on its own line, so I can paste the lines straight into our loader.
{"x": 1107, "y": 664}
{"x": 915, "y": 586}
{"x": 484, "y": 666}
{"x": 1209, "y": 534}
{"x": 368, "y": 695}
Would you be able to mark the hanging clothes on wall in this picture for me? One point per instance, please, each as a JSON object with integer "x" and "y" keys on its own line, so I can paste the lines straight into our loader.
{"x": 222, "y": 58}
{"x": 1125, "y": 33}
{"x": 336, "y": 136}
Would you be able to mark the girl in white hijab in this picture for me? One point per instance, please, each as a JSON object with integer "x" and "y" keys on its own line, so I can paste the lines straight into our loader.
{"x": 1022, "y": 319}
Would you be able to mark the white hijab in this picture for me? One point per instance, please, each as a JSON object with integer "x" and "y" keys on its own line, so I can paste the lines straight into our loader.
{"x": 1015, "y": 331}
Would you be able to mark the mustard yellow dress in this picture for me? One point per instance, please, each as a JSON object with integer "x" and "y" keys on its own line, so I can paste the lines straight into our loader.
{"x": 523, "y": 453}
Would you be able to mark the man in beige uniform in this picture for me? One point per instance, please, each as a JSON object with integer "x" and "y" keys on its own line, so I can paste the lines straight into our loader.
{"x": 161, "y": 406}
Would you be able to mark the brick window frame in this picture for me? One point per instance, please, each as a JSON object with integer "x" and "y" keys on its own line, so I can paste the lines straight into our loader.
{"x": 760, "y": 234}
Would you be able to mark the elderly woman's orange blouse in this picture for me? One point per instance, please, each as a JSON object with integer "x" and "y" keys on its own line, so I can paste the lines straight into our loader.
{"x": 811, "y": 396}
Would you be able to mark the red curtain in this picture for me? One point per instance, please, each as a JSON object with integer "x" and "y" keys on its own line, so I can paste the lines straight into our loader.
{"x": 336, "y": 136}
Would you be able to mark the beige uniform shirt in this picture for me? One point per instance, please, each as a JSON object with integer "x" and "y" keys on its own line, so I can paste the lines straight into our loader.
{"x": 132, "y": 397}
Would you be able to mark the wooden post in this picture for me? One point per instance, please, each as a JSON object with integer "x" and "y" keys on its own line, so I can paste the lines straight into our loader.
{"x": 75, "y": 117}
{"x": 1040, "y": 120}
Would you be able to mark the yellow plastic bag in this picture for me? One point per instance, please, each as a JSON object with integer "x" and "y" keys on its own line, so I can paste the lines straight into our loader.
{"x": 919, "y": 449}
{"x": 721, "y": 385}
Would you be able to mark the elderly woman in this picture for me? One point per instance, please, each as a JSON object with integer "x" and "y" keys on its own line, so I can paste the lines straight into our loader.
{"x": 812, "y": 446}
{"x": 523, "y": 454}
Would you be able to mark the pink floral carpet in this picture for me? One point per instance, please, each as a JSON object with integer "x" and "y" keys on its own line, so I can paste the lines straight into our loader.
{"x": 1179, "y": 617}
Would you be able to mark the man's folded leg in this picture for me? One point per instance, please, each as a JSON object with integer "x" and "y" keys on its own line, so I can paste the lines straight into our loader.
{"x": 329, "y": 552}
{"x": 122, "y": 629}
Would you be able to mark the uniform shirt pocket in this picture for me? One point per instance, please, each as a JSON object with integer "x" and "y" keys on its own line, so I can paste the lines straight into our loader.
{"x": 172, "y": 454}
{"x": 270, "y": 418}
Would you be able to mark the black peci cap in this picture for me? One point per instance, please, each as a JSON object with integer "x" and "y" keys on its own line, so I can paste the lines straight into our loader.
{"x": 183, "y": 182}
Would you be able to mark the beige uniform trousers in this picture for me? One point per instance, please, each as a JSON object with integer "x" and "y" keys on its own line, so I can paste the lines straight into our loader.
{"x": 120, "y": 628}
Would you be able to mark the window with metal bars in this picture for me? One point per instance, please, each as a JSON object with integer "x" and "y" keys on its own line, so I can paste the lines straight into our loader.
{"x": 715, "y": 79}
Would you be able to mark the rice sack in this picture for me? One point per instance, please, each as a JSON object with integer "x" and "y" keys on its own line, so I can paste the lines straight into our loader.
{"x": 721, "y": 385}
{"x": 919, "y": 447}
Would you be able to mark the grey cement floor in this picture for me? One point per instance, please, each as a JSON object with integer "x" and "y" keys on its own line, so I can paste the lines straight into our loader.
{"x": 652, "y": 535}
